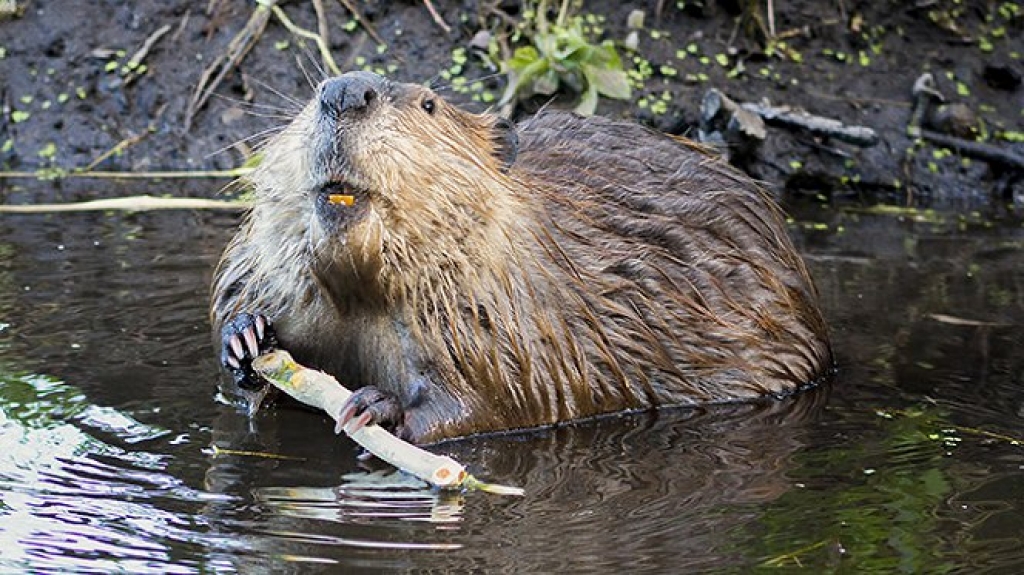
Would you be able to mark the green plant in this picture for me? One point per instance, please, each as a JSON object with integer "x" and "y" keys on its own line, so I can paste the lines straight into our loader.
{"x": 560, "y": 55}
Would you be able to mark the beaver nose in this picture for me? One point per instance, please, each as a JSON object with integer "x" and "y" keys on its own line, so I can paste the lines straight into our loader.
{"x": 352, "y": 91}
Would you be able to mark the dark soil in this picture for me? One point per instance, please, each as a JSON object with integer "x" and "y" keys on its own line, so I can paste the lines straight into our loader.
{"x": 852, "y": 60}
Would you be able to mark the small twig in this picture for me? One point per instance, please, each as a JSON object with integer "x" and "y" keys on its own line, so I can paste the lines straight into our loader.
{"x": 130, "y": 204}
{"x": 923, "y": 92}
{"x": 60, "y": 175}
{"x": 985, "y": 433}
{"x": 182, "y": 25}
{"x": 239, "y": 46}
{"x": 362, "y": 21}
{"x": 794, "y": 556}
{"x": 437, "y": 17}
{"x": 322, "y": 28}
{"x": 961, "y": 321}
{"x": 942, "y": 425}
{"x": 321, "y": 44}
{"x": 218, "y": 451}
{"x": 117, "y": 149}
{"x": 563, "y": 13}
{"x": 771, "y": 19}
{"x": 792, "y": 117}
{"x": 135, "y": 61}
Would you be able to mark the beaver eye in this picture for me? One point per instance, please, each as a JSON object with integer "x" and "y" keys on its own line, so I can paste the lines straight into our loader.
{"x": 428, "y": 106}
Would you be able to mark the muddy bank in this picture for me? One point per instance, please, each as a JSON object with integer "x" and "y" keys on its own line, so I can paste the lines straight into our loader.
{"x": 70, "y": 95}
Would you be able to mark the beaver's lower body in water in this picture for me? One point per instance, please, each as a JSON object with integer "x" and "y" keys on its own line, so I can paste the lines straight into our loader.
{"x": 489, "y": 277}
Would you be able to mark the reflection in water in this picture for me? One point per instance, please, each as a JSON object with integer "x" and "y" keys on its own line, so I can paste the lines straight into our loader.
{"x": 71, "y": 499}
{"x": 382, "y": 495}
{"x": 907, "y": 463}
{"x": 640, "y": 490}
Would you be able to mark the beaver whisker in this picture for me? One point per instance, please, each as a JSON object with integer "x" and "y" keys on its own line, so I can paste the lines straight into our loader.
{"x": 283, "y": 112}
{"x": 263, "y": 136}
{"x": 314, "y": 59}
{"x": 296, "y": 103}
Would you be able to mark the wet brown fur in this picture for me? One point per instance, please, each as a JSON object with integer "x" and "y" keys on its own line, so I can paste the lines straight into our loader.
{"x": 611, "y": 268}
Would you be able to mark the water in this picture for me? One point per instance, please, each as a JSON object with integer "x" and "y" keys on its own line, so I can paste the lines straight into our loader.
{"x": 906, "y": 464}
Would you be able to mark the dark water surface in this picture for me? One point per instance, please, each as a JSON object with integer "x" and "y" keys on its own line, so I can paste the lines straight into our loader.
{"x": 906, "y": 464}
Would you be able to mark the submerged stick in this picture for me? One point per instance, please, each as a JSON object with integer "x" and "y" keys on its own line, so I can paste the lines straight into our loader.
{"x": 322, "y": 391}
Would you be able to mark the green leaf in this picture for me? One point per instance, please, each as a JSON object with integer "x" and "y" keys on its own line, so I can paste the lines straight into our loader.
{"x": 523, "y": 57}
{"x": 588, "y": 102}
{"x": 611, "y": 83}
{"x": 570, "y": 47}
{"x": 546, "y": 43}
{"x": 522, "y": 81}
{"x": 605, "y": 56}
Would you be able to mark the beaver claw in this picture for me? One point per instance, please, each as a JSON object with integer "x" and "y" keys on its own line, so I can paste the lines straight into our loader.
{"x": 242, "y": 339}
{"x": 370, "y": 406}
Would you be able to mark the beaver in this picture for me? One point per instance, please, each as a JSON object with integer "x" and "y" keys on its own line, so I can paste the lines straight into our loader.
{"x": 472, "y": 275}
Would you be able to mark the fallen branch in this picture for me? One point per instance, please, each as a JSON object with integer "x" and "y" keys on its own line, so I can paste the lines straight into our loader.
{"x": 857, "y": 135}
{"x": 322, "y": 391}
{"x": 979, "y": 150}
{"x": 58, "y": 174}
{"x": 130, "y": 204}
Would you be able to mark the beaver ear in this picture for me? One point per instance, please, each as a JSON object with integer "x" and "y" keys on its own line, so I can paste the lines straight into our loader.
{"x": 506, "y": 143}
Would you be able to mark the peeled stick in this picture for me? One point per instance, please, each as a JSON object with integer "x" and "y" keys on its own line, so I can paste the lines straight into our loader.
{"x": 320, "y": 390}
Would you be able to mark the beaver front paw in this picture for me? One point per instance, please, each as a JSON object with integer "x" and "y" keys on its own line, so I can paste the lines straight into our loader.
{"x": 371, "y": 406}
{"x": 242, "y": 339}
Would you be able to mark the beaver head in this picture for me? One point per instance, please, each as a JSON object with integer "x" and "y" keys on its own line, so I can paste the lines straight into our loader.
{"x": 376, "y": 168}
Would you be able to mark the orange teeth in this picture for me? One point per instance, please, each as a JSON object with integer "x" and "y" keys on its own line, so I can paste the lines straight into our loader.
{"x": 341, "y": 199}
